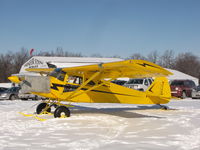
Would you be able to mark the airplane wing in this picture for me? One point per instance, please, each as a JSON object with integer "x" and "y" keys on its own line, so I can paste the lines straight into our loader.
{"x": 40, "y": 70}
{"x": 127, "y": 68}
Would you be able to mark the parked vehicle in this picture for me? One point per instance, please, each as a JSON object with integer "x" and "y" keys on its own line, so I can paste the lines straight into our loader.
{"x": 26, "y": 96}
{"x": 2, "y": 89}
{"x": 139, "y": 84}
{"x": 119, "y": 82}
{"x": 11, "y": 93}
{"x": 196, "y": 93}
{"x": 182, "y": 88}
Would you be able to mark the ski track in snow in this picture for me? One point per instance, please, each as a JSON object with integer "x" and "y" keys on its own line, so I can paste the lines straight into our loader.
{"x": 102, "y": 126}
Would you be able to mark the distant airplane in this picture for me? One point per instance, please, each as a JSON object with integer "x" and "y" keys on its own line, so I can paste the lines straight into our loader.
{"x": 92, "y": 84}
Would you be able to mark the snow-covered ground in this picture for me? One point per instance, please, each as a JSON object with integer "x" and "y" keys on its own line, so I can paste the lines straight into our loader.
{"x": 102, "y": 126}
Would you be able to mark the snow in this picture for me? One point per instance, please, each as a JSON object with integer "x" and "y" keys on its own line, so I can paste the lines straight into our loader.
{"x": 102, "y": 126}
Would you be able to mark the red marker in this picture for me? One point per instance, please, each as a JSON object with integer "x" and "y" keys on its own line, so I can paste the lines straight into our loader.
{"x": 31, "y": 51}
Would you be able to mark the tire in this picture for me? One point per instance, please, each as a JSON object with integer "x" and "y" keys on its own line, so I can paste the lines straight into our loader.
{"x": 61, "y": 110}
{"x": 41, "y": 107}
{"x": 12, "y": 97}
{"x": 184, "y": 95}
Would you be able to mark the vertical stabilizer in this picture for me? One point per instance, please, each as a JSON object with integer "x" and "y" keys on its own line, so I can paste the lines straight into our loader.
{"x": 159, "y": 91}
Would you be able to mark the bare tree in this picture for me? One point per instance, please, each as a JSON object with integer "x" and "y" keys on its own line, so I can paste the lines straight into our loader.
{"x": 19, "y": 58}
{"x": 11, "y": 63}
{"x": 188, "y": 63}
{"x": 70, "y": 54}
{"x": 167, "y": 60}
{"x": 153, "y": 57}
{"x": 138, "y": 56}
{"x": 5, "y": 66}
{"x": 115, "y": 56}
{"x": 59, "y": 52}
{"x": 96, "y": 55}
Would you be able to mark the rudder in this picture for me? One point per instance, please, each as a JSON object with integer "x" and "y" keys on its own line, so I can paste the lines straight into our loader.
{"x": 159, "y": 91}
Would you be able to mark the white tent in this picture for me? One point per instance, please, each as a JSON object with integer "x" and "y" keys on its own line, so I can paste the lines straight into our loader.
{"x": 177, "y": 75}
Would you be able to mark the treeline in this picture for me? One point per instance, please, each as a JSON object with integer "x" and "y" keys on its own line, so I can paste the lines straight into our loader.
{"x": 185, "y": 62}
{"x": 11, "y": 62}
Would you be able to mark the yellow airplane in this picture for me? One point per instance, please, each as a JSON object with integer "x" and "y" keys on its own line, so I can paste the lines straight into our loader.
{"x": 92, "y": 84}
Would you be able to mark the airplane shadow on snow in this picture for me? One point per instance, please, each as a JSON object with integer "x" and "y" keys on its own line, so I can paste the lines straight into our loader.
{"x": 125, "y": 112}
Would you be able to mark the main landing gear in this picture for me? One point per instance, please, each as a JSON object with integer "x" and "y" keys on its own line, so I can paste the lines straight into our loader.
{"x": 60, "y": 111}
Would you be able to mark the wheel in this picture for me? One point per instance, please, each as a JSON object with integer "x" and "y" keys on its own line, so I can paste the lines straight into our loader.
{"x": 12, "y": 97}
{"x": 184, "y": 95}
{"x": 41, "y": 107}
{"x": 61, "y": 111}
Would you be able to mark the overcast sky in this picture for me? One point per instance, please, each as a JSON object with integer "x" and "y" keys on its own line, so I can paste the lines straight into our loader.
{"x": 106, "y": 27}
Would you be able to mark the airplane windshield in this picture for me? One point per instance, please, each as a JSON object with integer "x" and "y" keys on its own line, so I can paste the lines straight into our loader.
{"x": 59, "y": 74}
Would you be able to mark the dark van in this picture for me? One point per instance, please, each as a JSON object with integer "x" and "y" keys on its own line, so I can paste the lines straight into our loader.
{"x": 182, "y": 88}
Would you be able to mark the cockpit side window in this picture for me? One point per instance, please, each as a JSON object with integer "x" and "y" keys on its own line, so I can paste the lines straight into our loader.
{"x": 59, "y": 74}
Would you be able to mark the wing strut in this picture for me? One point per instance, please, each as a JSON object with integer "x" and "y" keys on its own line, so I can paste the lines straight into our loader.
{"x": 84, "y": 84}
{"x": 92, "y": 88}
